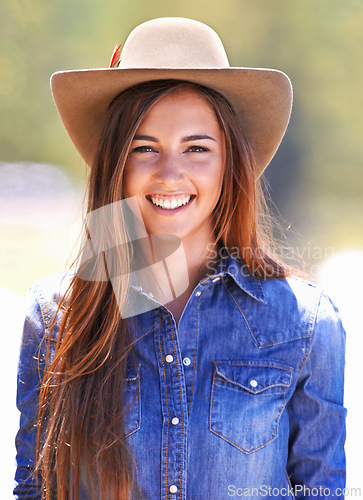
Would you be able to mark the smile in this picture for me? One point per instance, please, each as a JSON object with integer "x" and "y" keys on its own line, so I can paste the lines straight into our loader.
{"x": 170, "y": 202}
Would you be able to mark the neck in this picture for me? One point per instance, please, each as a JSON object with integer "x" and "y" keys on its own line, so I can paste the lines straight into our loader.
{"x": 178, "y": 272}
{"x": 197, "y": 257}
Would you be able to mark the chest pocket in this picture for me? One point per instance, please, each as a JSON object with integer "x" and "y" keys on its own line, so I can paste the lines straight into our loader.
{"x": 247, "y": 400}
{"x": 131, "y": 401}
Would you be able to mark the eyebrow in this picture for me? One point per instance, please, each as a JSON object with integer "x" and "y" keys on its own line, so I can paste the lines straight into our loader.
{"x": 189, "y": 138}
{"x": 197, "y": 138}
{"x": 145, "y": 138}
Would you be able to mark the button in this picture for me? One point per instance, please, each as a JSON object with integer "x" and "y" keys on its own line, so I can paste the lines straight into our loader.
{"x": 197, "y": 294}
{"x": 216, "y": 279}
{"x": 173, "y": 488}
{"x": 169, "y": 358}
{"x": 253, "y": 383}
{"x": 151, "y": 295}
{"x": 186, "y": 361}
{"x": 175, "y": 421}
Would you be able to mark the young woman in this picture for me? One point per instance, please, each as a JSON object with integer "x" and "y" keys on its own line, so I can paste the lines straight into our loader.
{"x": 180, "y": 358}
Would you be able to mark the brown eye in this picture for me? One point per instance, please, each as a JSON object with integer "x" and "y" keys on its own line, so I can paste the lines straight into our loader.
{"x": 198, "y": 149}
{"x": 143, "y": 149}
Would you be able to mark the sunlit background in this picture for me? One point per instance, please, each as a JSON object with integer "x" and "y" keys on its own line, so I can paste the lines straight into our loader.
{"x": 315, "y": 179}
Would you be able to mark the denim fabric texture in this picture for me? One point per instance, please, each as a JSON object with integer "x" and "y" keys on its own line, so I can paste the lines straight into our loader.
{"x": 246, "y": 394}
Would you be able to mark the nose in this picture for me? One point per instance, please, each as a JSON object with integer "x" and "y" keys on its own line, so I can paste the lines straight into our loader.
{"x": 169, "y": 171}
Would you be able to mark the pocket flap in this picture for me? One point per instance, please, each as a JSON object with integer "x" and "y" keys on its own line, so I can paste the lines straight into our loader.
{"x": 254, "y": 376}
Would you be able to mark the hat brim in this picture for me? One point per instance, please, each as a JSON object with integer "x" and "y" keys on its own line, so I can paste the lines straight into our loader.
{"x": 262, "y": 99}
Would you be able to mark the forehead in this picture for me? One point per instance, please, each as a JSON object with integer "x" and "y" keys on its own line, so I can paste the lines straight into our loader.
{"x": 183, "y": 106}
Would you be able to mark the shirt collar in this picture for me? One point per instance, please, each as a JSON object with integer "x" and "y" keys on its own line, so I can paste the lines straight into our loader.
{"x": 238, "y": 270}
{"x": 231, "y": 266}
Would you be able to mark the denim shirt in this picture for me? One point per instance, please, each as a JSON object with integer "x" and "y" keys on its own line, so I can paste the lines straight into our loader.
{"x": 244, "y": 398}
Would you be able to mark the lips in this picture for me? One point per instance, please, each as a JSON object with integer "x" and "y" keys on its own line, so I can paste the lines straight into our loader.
{"x": 171, "y": 203}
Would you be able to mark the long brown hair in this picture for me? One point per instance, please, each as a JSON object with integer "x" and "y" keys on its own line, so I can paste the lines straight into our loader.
{"x": 80, "y": 422}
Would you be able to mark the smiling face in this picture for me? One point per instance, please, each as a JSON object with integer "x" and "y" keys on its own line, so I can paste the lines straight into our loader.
{"x": 175, "y": 167}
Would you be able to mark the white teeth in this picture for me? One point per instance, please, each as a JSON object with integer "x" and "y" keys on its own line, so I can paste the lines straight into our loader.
{"x": 170, "y": 203}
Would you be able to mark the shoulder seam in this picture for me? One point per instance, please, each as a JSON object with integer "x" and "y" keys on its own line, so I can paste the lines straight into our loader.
{"x": 43, "y": 309}
{"x": 308, "y": 343}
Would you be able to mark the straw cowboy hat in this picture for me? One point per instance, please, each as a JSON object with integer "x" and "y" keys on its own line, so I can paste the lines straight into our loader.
{"x": 182, "y": 49}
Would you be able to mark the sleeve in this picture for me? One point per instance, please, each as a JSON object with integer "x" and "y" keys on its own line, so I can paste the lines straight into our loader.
{"x": 316, "y": 460}
{"x": 29, "y": 376}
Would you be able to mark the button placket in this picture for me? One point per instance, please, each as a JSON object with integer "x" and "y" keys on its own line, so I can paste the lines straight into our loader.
{"x": 188, "y": 334}
{"x": 174, "y": 409}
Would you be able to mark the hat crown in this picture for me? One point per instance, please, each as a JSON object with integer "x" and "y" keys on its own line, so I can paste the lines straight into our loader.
{"x": 173, "y": 42}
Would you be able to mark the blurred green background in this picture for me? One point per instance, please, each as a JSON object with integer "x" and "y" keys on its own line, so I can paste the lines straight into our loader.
{"x": 315, "y": 178}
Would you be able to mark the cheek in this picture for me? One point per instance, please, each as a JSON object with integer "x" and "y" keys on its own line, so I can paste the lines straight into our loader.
{"x": 129, "y": 182}
{"x": 214, "y": 181}
{"x": 220, "y": 174}
{"x": 217, "y": 186}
